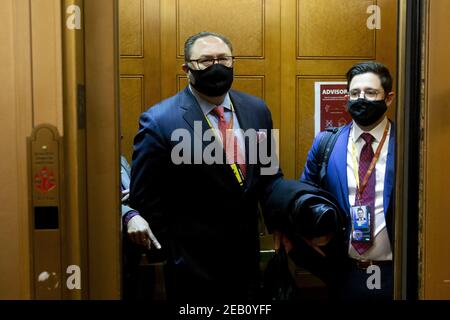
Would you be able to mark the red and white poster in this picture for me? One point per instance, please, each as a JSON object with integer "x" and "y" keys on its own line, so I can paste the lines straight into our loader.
{"x": 330, "y": 105}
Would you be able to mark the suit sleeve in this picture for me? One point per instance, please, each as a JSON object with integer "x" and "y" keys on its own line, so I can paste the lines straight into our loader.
{"x": 125, "y": 210}
{"x": 125, "y": 179}
{"x": 279, "y": 193}
{"x": 150, "y": 163}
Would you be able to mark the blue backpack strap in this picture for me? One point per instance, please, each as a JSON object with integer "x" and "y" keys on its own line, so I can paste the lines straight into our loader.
{"x": 326, "y": 145}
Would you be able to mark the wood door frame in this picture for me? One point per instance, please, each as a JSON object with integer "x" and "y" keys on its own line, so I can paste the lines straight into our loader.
{"x": 103, "y": 148}
{"x": 102, "y": 102}
{"x": 399, "y": 204}
{"x": 435, "y": 154}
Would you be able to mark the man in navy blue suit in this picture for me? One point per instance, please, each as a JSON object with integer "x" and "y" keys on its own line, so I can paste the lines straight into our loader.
{"x": 360, "y": 174}
{"x": 205, "y": 213}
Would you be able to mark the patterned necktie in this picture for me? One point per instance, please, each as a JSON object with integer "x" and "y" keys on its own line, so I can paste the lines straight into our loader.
{"x": 232, "y": 149}
{"x": 368, "y": 196}
{"x": 220, "y": 114}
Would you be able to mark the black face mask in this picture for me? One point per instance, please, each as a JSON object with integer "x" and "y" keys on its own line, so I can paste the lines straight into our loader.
{"x": 366, "y": 112}
{"x": 214, "y": 81}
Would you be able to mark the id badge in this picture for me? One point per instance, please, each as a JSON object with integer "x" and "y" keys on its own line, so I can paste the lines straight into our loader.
{"x": 361, "y": 228}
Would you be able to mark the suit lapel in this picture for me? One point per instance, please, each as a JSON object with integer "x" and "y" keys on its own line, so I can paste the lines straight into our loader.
{"x": 341, "y": 164}
{"x": 390, "y": 171}
{"x": 193, "y": 116}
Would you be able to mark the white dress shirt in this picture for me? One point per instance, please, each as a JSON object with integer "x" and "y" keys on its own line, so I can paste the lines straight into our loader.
{"x": 381, "y": 248}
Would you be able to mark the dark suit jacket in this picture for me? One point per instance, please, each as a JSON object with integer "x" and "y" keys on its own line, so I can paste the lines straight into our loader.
{"x": 204, "y": 219}
{"x": 336, "y": 178}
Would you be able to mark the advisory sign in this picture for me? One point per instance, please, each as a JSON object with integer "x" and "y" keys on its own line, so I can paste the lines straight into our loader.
{"x": 330, "y": 105}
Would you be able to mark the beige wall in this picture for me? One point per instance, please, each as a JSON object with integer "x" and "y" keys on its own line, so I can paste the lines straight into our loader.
{"x": 30, "y": 94}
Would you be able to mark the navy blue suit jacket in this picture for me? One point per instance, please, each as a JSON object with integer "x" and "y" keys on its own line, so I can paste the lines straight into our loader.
{"x": 336, "y": 175}
{"x": 206, "y": 222}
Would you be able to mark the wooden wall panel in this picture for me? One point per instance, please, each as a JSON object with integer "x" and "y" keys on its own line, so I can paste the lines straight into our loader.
{"x": 275, "y": 42}
{"x": 134, "y": 61}
{"x": 252, "y": 26}
{"x": 132, "y": 97}
{"x": 241, "y": 21}
{"x": 324, "y": 68}
{"x": 253, "y": 85}
{"x": 182, "y": 82}
{"x": 131, "y": 28}
{"x": 330, "y": 37}
{"x": 334, "y": 29}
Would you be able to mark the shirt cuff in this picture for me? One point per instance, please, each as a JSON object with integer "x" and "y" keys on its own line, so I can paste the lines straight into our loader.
{"x": 127, "y": 217}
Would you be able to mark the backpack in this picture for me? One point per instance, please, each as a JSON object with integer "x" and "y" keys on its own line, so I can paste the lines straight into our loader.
{"x": 326, "y": 145}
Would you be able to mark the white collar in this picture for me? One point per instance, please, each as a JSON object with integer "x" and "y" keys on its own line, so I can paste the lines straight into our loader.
{"x": 208, "y": 107}
{"x": 376, "y": 132}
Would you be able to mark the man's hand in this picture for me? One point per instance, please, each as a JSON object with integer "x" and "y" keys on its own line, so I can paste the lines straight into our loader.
{"x": 140, "y": 233}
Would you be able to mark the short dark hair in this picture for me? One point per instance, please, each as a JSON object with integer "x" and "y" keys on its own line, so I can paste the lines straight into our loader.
{"x": 191, "y": 40}
{"x": 374, "y": 67}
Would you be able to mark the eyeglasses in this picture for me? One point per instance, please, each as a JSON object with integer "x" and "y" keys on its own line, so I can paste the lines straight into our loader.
{"x": 369, "y": 94}
{"x": 206, "y": 62}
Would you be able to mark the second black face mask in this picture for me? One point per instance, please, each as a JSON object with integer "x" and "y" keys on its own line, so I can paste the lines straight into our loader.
{"x": 366, "y": 112}
{"x": 213, "y": 81}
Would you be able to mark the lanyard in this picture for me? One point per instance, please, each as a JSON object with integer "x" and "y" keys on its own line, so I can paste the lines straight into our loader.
{"x": 234, "y": 167}
{"x": 360, "y": 188}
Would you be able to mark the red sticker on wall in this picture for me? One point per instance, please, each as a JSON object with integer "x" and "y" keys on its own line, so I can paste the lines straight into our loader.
{"x": 44, "y": 180}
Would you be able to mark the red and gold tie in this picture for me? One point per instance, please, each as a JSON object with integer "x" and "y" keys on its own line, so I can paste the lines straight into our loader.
{"x": 368, "y": 196}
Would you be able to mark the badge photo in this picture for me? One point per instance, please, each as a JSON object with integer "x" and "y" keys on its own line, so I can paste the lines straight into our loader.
{"x": 361, "y": 223}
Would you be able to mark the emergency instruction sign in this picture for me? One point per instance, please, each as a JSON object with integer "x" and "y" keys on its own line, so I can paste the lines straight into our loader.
{"x": 330, "y": 105}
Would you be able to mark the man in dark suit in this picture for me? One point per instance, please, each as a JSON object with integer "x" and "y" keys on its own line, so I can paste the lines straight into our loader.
{"x": 360, "y": 175}
{"x": 205, "y": 213}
